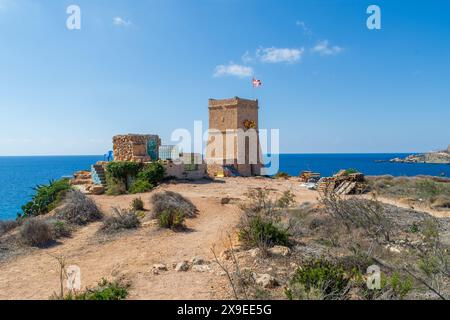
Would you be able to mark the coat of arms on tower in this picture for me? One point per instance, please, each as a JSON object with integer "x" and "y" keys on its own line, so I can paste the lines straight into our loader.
{"x": 249, "y": 124}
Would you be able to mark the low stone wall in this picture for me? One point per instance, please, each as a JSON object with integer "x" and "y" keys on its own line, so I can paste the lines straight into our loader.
{"x": 182, "y": 171}
{"x": 134, "y": 147}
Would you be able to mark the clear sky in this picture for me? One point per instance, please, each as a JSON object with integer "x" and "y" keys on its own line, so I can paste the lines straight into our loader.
{"x": 329, "y": 83}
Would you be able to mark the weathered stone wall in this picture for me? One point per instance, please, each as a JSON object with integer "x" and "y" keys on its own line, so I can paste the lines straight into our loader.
{"x": 179, "y": 171}
{"x": 133, "y": 147}
{"x": 233, "y": 114}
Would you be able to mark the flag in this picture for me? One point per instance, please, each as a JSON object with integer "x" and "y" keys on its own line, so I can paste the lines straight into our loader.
{"x": 257, "y": 83}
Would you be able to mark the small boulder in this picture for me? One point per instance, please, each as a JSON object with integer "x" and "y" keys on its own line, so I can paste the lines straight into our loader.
{"x": 200, "y": 268}
{"x": 97, "y": 190}
{"x": 265, "y": 280}
{"x": 254, "y": 252}
{"x": 198, "y": 261}
{"x": 160, "y": 267}
{"x": 182, "y": 266}
{"x": 280, "y": 251}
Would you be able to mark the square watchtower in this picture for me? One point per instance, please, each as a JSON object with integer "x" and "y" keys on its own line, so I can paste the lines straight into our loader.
{"x": 236, "y": 122}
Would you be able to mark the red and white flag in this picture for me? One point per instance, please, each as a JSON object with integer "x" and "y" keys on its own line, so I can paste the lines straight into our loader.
{"x": 257, "y": 83}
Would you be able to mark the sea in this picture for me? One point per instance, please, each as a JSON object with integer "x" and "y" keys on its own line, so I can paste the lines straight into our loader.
{"x": 18, "y": 175}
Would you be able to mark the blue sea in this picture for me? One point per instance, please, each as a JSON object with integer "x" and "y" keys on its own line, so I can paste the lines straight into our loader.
{"x": 18, "y": 175}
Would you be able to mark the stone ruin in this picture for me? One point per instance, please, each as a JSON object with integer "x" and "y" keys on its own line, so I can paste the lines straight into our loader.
{"x": 136, "y": 147}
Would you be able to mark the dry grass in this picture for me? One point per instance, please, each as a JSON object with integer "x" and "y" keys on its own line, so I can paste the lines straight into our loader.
{"x": 120, "y": 220}
{"x": 78, "y": 209}
{"x": 6, "y": 226}
{"x": 172, "y": 202}
{"x": 36, "y": 232}
{"x": 434, "y": 192}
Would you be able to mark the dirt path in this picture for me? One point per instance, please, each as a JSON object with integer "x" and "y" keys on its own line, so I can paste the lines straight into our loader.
{"x": 133, "y": 254}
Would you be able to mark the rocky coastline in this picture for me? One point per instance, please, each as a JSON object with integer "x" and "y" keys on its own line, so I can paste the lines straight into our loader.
{"x": 439, "y": 157}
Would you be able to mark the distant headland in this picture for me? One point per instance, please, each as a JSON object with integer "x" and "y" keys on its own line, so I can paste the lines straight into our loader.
{"x": 440, "y": 157}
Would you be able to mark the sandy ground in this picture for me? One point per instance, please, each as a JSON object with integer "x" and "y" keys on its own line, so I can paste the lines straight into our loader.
{"x": 133, "y": 254}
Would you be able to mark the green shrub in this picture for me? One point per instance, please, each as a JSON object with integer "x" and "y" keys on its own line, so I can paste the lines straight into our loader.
{"x": 105, "y": 290}
{"x": 282, "y": 175}
{"x": 114, "y": 187}
{"x": 350, "y": 171}
{"x": 172, "y": 201}
{"x": 327, "y": 277}
{"x": 79, "y": 209}
{"x": 137, "y": 204}
{"x": 140, "y": 186}
{"x": 36, "y": 232}
{"x": 286, "y": 200}
{"x": 400, "y": 286}
{"x": 46, "y": 198}
{"x": 171, "y": 219}
{"x": 123, "y": 176}
{"x": 262, "y": 232}
{"x": 120, "y": 172}
{"x": 153, "y": 173}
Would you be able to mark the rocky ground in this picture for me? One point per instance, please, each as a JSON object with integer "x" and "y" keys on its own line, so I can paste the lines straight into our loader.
{"x": 162, "y": 264}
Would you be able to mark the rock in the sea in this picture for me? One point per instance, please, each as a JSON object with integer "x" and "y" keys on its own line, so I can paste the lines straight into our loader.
{"x": 265, "y": 280}
{"x": 280, "y": 251}
{"x": 182, "y": 266}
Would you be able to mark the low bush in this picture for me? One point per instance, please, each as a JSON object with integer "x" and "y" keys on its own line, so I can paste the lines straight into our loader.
{"x": 124, "y": 176}
{"x": 114, "y": 187}
{"x": 60, "y": 229}
{"x": 394, "y": 287}
{"x": 46, "y": 198}
{"x": 282, "y": 175}
{"x": 286, "y": 200}
{"x": 319, "y": 276}
{"x": 36, "y": 232}
{"x": 369, "y": 215}
{"x": 105, "y": 290}
{"x": 172, "y": 202}
{"x": 6, "y": 226}
{"x": 260, "y": 224}
{"x": 350, "y": 171}
{"x": 79, "y": 209}
{"x": 140, "y": 186}
{"x": 137, "y": 204}
{"x": 153, "y": 173}
{"x": 171, "y": 219}
{"x": 120, "y": 220}
{"x": 258, "y": 232}
{"x": 120, "y": 172}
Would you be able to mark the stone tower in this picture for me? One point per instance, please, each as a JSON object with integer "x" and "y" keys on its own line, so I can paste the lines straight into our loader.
{"x": 235, "y": 121}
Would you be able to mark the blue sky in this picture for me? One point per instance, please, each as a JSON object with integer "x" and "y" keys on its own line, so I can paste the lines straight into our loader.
{"x": 330, "y": 84}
